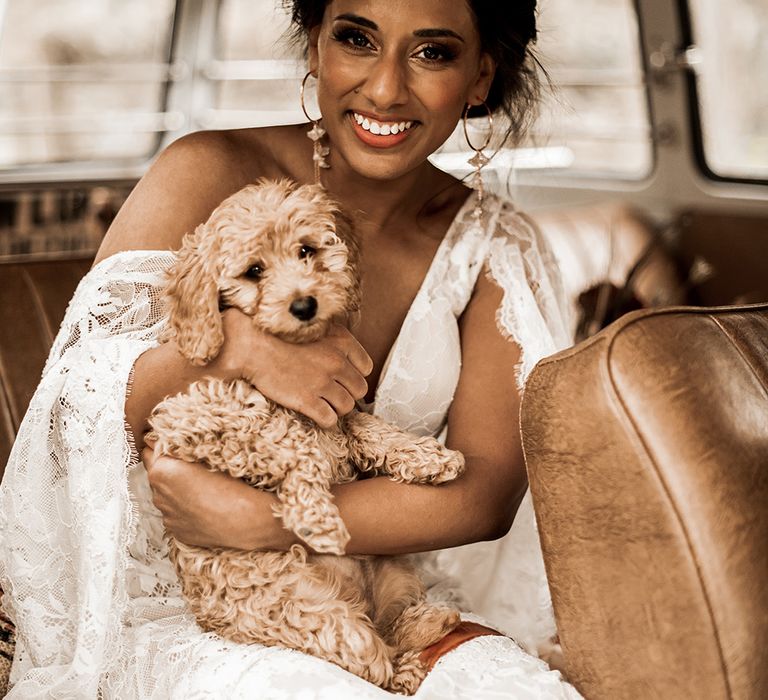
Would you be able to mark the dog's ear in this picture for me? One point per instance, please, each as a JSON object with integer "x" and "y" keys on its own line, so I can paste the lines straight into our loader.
{"x": 193, "y": 298}
{"x": 346, "y": 232}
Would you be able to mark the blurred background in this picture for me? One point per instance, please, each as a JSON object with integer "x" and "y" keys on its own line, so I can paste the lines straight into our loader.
{"x": 91, "y": 91}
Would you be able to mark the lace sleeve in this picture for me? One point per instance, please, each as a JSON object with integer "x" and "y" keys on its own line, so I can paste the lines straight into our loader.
{"x": 534, "y": 312}
{"x": 65, "y": 515}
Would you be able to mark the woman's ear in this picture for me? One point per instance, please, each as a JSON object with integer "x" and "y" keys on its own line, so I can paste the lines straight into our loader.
{"x": 193, "y": 299}
{"x": 486, "y": 72}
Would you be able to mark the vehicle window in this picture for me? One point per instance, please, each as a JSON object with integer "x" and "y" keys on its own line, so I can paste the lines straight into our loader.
{"x": 87, "y": 81}
{"x": 599, "y": 107}
{"x": 594, "y": 117}
{"x": 732, "y": 75}
{"x": 82, "y": 81}
{"x": 256, "y": 72}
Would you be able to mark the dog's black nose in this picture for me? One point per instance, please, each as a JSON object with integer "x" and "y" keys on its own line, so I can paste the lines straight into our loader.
{"x": 305, "y": 308}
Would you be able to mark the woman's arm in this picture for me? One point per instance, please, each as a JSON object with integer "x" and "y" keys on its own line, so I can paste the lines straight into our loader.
{"x": 181, "y": 189}
{"x": 385, "y": 517}
{"x": 322, "y": 380}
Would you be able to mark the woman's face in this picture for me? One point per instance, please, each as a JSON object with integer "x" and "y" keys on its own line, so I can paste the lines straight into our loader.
{"x": 394, "y": 77}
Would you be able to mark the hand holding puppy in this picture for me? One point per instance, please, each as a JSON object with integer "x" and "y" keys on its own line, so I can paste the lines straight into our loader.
{"x": 321, "y": 379}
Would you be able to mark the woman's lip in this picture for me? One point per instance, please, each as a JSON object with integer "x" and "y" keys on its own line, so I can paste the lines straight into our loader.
{"x": 380, "y": 140}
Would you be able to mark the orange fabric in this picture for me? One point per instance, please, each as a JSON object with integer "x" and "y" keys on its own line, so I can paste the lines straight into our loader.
{"x": 463, "y": 633}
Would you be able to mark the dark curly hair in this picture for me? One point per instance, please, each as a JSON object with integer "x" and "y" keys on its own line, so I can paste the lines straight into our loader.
{"x": 507, "y": 30}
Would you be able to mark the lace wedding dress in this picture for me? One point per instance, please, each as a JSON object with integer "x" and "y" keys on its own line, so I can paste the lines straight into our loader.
{"x": 83, "y": 559}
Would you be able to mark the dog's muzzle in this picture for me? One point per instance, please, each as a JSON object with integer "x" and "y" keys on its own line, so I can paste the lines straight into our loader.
{"x": 304, "y": 308}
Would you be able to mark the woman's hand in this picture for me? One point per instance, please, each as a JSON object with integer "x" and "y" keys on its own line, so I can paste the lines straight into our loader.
{"x": 212, "y": 509}
{"x": 322, "y": 379}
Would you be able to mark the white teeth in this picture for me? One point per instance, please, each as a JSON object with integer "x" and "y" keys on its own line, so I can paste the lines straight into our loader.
{"x": 381, "y": 128}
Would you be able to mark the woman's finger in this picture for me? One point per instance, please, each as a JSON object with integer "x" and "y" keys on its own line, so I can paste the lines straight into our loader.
{"x": 359, "y": 358}
{"x": 352, "y": 382}
{"x": 322, "y": 412}
{"x": 339, "y": 398}
{"x": 353, "y": 350}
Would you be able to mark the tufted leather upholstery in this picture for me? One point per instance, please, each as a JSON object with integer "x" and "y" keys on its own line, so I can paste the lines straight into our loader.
{"x": 601, "y": 243}
{"x": 647, "y": 453}
{"x": 33, "y": 299}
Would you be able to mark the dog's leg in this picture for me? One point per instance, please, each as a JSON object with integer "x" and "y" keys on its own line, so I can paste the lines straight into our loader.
{"x": 215, "y": 423}
{"x": 382, "y": 448}
{"x": 418, "y": 627}
{"x": 406, "y": 620}
{"x": 325, "y": 616}
{"x": 350, "y": 641}
{"x": 306, "y": 504}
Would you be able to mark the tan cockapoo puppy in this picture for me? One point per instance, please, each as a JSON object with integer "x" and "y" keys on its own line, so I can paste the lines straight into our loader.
{"x": 285, "y": 255}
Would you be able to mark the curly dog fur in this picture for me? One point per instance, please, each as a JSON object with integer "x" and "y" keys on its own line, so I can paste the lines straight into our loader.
{"x": 286, "y": 256}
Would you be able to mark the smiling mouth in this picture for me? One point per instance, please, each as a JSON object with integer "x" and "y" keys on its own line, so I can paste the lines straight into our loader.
{"x": 380, "y": 128}
{"x": 379, "y": 133}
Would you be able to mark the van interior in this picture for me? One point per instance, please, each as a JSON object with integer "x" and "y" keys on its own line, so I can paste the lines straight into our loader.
{"x": 647, "y": 172}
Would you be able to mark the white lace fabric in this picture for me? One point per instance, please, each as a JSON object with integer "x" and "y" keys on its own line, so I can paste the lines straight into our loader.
{"x": 83, "y": 559}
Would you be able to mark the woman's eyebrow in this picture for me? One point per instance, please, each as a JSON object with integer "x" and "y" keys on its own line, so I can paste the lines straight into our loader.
{"x": 357, "y": 19}
{"x": 421, "y": 33}
{"x": 436, "y": 34}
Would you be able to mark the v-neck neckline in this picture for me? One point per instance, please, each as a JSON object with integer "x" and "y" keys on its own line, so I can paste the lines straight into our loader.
{"x": 422, "y": 290}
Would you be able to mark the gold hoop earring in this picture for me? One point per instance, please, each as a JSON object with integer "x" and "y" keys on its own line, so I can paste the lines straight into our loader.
{"x": 319, "y": 151}
{"x": 478, "y": 160}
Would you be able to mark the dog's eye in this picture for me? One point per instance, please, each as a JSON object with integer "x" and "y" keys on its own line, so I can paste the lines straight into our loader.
{"x": 254, "y": 272}
{"x": 306, "y": 251}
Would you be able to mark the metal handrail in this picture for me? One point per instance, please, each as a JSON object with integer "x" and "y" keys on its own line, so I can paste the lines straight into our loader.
{"x": 238, "y": 118}
{"x": 596, "y": 77}
{"x": 220, "y": 70}
{"x": 88, "y": 73}
{"x": 105, "y": 122}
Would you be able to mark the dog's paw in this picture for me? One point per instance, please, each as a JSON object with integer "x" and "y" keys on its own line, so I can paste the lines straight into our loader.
{"x": 409, "y": 673}
{"x": 451, "y": 466}
{"x": 325, "y": 537}
{"x": 433, "y": 464}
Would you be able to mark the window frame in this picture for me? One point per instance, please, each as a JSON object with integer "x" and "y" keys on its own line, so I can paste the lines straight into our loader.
{"x": 698, "y": 146}
{"x": 192, "y": 77}
{"x": 113, "y": 171}
{"x": 194, "y": 72}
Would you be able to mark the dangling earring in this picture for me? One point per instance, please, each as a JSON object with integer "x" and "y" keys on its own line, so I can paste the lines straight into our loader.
{"x": 315, "y": 134}
{"x": 478, "y": 161}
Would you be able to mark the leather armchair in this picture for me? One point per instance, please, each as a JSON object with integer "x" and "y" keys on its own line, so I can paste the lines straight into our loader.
{"x": 33, "y": 298}
{"x": 647, "y": 453}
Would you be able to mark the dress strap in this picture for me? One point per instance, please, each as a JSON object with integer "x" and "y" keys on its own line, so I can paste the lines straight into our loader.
{"x": 465, "y": 252}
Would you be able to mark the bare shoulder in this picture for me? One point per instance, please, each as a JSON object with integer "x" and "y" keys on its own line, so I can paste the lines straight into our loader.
{"x": 187, "y": 181}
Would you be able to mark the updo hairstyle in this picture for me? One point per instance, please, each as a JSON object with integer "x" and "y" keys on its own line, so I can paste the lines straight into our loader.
{"x": 506, "y": 29}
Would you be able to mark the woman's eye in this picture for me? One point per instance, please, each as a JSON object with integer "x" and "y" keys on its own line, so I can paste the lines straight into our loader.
{"x": 306, "y": 251}
{"x": 352, "y": 37}
{"x": 434, "y": 53}
{"x": 254, "y": 272}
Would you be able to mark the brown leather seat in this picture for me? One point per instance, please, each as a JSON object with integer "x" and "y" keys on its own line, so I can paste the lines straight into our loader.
{"x": 33, "y": 299}
{"x": 647, "y": 453}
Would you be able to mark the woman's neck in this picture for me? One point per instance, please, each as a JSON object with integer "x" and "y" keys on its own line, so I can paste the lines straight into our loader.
{"x": 421, "y": 191}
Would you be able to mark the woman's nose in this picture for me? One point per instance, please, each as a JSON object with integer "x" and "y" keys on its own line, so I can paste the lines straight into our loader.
{"x": 386, "y": 85}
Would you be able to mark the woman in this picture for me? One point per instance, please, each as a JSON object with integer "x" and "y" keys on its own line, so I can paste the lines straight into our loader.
{"x": 458, "y": 293}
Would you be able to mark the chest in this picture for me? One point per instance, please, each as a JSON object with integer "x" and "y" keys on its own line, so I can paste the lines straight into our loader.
{"x": 392, "y": 274}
